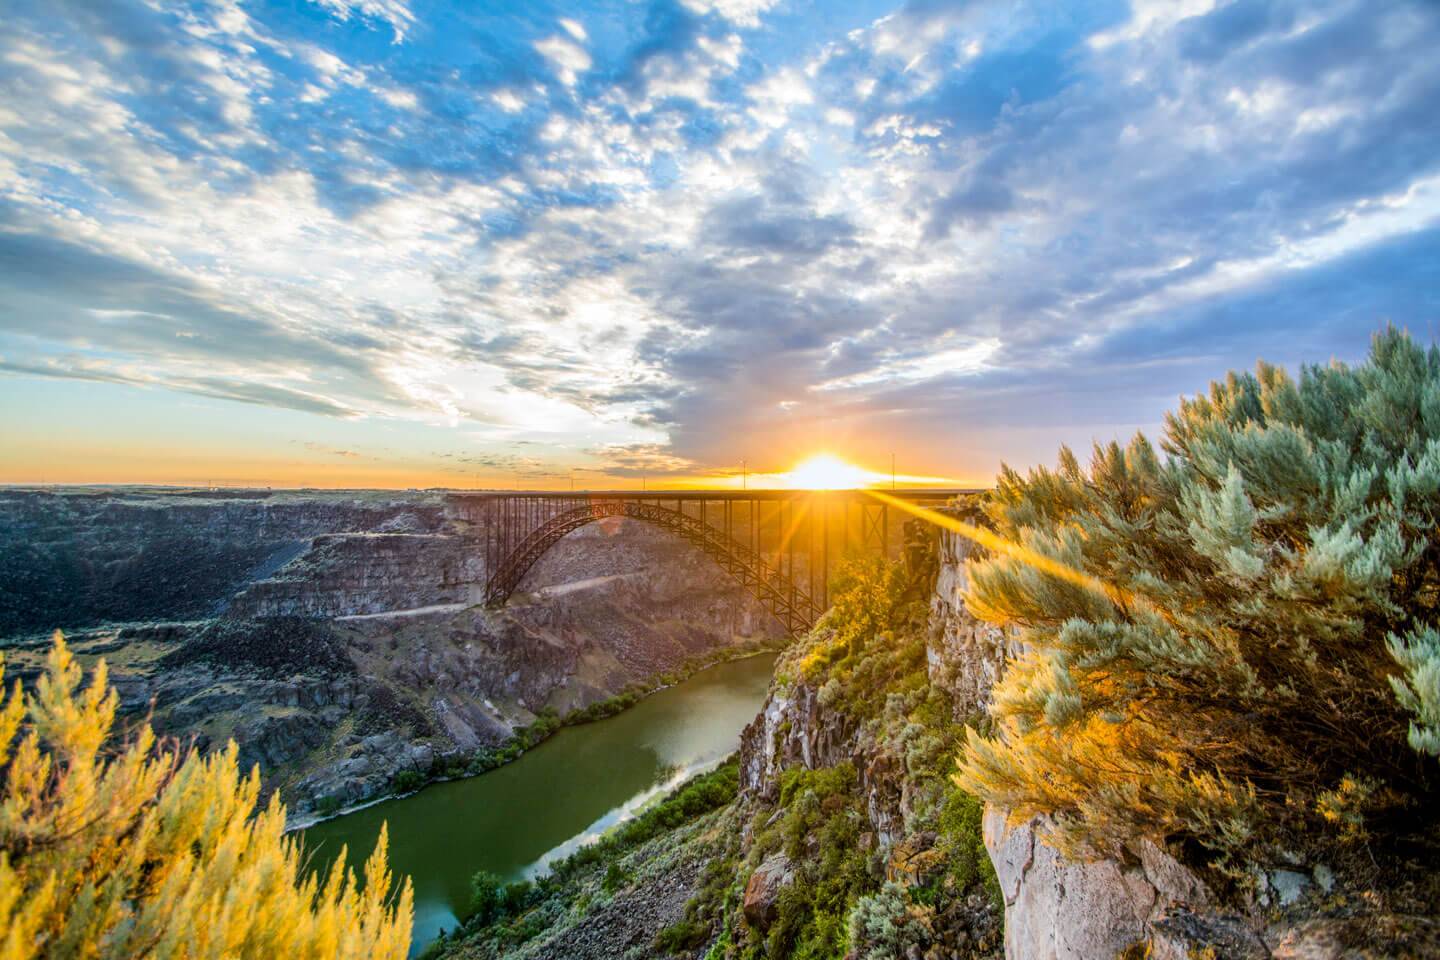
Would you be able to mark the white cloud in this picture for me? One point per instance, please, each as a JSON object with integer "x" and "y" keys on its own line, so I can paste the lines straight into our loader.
{"x": 778, "y": 94}
{"x": 1147, "y": 16}
{"x": 725, "y": 50}
{"x": 399, "y": 99}
{"x": 396, "y": 13}
{"x": 568, "y": 59}
{"x": 743, "y": 13}
{"x": 508, "y": 101}
{"x": 952, "y": 361}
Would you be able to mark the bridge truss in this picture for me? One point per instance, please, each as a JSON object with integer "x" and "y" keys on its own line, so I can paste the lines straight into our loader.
{"x": 780, "y": 545}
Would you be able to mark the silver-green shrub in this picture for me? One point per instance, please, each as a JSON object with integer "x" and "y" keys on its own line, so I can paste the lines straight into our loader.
{"x": 1267, "y": 629}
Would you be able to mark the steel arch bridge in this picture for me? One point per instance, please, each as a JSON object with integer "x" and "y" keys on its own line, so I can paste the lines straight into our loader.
{"x": 777, "y": 544}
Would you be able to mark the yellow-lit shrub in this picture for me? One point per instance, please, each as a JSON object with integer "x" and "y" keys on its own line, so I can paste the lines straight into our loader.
{"x": 141, "y": 850}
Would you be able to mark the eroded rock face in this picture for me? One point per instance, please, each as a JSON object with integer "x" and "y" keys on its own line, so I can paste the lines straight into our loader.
{"x": 965, "y": 656}
{"x": 1059, "y": 909}
{"x": 355, "y": 574}
{"x": 794, "y": 729}
{"x": 77, "y": 559}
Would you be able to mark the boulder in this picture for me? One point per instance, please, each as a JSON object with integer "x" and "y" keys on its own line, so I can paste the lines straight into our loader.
{"x": 762, "y": 892}
{"x": 1061, "y": 909}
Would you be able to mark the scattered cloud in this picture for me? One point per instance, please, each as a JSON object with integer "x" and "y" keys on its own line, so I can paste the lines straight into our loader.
{"x": 568, "y": 58}
{"x": 642, "y": 460}
{"x": 394, "y": 13}
{"x": 644, "y": 236}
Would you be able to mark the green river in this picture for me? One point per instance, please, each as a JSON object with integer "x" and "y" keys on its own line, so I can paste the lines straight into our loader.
{"x": 515, "y": 820}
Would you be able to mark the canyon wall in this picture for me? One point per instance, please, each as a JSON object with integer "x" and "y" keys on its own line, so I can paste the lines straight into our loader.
{"x": 338, "y": 636}
{"x": 868, "y": 704}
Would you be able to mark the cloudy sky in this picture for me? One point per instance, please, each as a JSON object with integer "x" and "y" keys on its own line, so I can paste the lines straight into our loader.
{"x": 396, "y": 242}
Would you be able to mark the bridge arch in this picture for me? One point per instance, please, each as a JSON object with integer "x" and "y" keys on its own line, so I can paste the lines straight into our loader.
{"x": 790, "y": 603}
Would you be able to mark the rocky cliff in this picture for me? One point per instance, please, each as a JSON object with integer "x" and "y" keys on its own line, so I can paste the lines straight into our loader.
{"x": 866, "y": 709}
{"x": 853, "y": 749}
{"x": 337, "y": 636}
{"x": 1053, "y": 908}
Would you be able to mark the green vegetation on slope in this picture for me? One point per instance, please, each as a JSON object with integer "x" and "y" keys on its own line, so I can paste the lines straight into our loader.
{"x": 505, "y": 916}
{"x": 849, "y": 892}
{"x": 700, "y": 795}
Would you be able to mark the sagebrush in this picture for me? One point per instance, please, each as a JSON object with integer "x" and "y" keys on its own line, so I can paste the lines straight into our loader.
{"x": 137, "y": 849}
{"x": 1266, "y": 640}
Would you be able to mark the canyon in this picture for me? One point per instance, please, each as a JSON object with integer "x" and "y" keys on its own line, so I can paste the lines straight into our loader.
{"x": 338, "y": 637}
{"x": 849, "y": 759}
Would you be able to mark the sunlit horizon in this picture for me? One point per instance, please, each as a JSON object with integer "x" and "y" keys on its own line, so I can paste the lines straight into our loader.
{"x": 818, "y": 471}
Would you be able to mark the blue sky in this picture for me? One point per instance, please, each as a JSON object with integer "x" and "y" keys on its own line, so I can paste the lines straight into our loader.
{"x": 394, "y": 241}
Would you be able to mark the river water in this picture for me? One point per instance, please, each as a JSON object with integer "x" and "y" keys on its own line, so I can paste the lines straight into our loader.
{"x": 514, "y": 820}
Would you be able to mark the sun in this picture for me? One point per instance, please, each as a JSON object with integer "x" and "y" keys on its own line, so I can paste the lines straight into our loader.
{"x": 826, "y": 471}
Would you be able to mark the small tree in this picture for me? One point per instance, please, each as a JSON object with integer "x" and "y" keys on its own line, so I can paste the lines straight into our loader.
{"x": 1265, "y": 634}
{"x": 485, "y": 901}
{"x": 141, "y": 850}
{"x": 615, "y": 877}
{"x": 517, "y": 897}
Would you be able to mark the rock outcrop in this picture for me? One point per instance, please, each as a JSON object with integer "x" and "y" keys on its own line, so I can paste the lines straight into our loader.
{"x": 794, "y": 729}
{"x": 965, "y": 656}
{"x": 1057, "y": 908}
